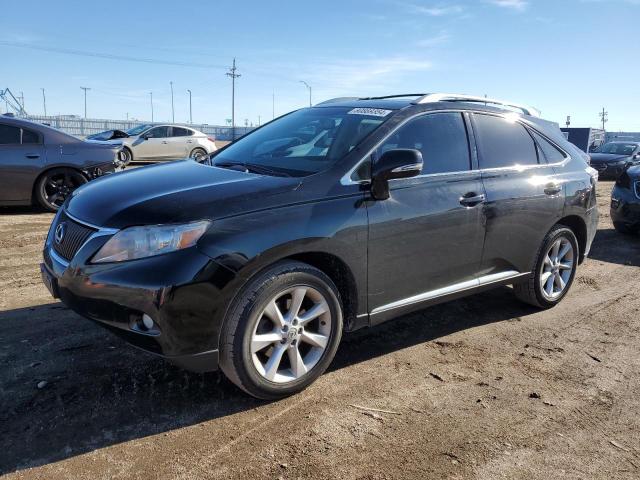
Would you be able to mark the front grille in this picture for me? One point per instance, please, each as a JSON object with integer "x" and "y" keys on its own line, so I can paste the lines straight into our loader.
{"x": 74, "y": 236}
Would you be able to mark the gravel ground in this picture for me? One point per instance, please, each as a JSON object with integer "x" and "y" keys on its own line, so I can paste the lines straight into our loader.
{"x": 483, "y": 387}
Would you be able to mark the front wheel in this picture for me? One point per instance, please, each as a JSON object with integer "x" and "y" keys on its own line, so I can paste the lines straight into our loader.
{"x": 282, "y": 331}
{"x": 554, "y": 270}
{"x": 56, "y": 185}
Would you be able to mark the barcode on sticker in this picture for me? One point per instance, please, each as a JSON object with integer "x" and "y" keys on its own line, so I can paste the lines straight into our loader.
{"x": 373, "y": 112}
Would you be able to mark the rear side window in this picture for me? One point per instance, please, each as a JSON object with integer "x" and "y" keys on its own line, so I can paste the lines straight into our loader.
{"x": 30, "y": 138}
{"x": 442, "y": 139}
{"x": 181, "y": 132}
{"x": 503, "y": 143}
{"x": 548, "y": 151}
{"x": 9, "y": 135}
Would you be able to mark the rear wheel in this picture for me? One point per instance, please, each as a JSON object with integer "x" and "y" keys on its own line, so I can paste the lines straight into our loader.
{"x": 282, "y": 331}
{"x": 54, "y": 186}
{"x": 198, "y": 154}
{"x": 554, "y": 270}
{"x": 125, "y": 156}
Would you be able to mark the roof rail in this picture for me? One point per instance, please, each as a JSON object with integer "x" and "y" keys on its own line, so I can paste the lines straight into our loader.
{"x": 384, "y": 97}
{"x": 338, "y": 99}
{"x": 454, "y": 97}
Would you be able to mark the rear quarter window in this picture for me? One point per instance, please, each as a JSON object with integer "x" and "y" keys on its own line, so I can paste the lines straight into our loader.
{"x": 548, "y": 152}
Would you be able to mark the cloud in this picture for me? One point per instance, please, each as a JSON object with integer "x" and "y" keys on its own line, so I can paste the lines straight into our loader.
{"x": 436, "y": 10}
{"x": 433, "y": 41}
{"x": 337, "y": 78}
{"x": 518, "y": 5}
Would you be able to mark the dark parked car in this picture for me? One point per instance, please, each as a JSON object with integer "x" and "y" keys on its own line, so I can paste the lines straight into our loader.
{"x": 330, "y": 218}
{"x": 39, "y": 164}
{"x": 612, "y": 158}
{"x": 625, "y": 201}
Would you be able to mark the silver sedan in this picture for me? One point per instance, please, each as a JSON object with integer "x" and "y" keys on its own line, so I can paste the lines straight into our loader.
{"x": 159, "y": 143}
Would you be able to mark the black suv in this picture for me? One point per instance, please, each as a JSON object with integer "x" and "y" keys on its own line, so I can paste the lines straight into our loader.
{"x": 326, "y": 220}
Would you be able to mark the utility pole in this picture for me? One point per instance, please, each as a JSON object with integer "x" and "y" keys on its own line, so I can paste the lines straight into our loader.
{"x": 190, "y": 111}
{"x": 173, "y": 113}
{"x": 22, "y": 103}
{"x": 604, "y": 117}
{"x": 273, "y": 105}
{"x": 309, "y": 87}
{"x": 258, "y": 120}
{"x": 85, "y": 100}
{"x": 233, "y": 75}
{"x": 568, "y": 120}
{"x": 44, "y": 102}
{"x": 151, "y": 98}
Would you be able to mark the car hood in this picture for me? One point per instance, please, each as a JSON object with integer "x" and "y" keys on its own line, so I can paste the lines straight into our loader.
{"x": 175, "y": 192}
{"x": 607, "y": 157}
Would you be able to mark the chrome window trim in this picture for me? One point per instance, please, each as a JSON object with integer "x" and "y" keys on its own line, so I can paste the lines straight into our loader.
{"x": 347, "y": 179}
{"x": 451, "y": 289}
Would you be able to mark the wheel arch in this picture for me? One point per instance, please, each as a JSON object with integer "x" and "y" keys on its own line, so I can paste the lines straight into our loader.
{"x": 34, "y": 200}
{"x": 579, "y": 228}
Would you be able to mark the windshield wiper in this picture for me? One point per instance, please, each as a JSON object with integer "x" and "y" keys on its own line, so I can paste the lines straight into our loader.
{"x": 254, "y": 168}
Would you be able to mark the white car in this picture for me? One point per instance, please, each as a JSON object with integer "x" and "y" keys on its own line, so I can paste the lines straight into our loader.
{"x": 159, "y": 143}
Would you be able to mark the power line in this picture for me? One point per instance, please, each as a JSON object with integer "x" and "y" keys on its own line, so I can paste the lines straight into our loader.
{"x": 109, "y": 56}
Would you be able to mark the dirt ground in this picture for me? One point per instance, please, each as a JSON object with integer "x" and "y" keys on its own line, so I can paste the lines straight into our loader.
{"x": 483, "y": 388}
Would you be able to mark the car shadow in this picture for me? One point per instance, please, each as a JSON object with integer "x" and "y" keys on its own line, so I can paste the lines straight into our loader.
{"x": 613, "y": 247}
{"x": 100, "y": 391}
{"x": 22, "y": 210}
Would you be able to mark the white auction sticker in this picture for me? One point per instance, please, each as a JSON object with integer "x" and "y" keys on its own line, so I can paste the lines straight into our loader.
{"x": 373, "y": 112}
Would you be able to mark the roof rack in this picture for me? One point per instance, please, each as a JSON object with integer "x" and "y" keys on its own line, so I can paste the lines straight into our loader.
{"x": 454, "y": 97}
{"x": 394, "y": 96}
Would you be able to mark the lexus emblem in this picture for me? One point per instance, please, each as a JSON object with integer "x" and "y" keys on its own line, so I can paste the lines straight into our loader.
{"x": 61, "y": 229}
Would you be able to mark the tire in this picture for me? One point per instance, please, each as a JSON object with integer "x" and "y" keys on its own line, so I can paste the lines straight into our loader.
{"x": 198, "y": 154}
{"x": 54, "y": 186}
{"x": 547, "y": 272}
{"x": 622, "y": 228}
{"x": 311, "y": 337}
{"x": 126, "y": 157}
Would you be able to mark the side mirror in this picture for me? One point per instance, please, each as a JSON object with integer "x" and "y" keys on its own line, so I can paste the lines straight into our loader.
{"x": 397, "y": 163}
{"x": 147, "y": 136}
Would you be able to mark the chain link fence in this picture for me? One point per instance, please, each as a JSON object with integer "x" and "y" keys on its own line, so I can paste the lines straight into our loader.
{"x": 83, "y": 127}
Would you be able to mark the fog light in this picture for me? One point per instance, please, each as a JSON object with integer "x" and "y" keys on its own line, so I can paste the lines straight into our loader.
{"x": 147, "y": 321}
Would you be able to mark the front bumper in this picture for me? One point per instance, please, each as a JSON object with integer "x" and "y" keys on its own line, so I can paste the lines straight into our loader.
{"x": 182, "y": 292}
{"x": 608, "y": 171}
{"x": 625, "y": 207}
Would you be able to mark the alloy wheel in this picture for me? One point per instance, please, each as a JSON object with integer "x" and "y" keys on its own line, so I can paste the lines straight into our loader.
{"x": 291, "y": 334}
{"x": 58, "y": 185}
{"x": 557, "y": 268}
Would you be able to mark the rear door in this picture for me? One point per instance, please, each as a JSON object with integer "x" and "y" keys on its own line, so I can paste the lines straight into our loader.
{"x": 426, "y": 238}
{"x": 22, "y": 156}
{"x": 524, "y": 195}
{"x": 179, "y": 142}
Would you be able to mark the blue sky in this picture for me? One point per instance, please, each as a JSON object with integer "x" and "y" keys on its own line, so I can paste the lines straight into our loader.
{"x": 566, "y": 57}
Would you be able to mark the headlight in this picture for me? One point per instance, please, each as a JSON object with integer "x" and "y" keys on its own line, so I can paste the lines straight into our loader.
{"x": 140, "y": 242}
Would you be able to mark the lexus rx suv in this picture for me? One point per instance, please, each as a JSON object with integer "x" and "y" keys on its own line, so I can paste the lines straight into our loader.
{"x": 328, "y": 219}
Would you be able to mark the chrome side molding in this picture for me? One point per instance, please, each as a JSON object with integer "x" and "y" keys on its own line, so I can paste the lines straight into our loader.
{"x": 451, "y": 289}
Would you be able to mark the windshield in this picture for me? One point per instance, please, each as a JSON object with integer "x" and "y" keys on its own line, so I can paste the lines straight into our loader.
{"x": 304, "y": 142}
{"x": 139, "y": 129}
{"x": 618, "y": 148}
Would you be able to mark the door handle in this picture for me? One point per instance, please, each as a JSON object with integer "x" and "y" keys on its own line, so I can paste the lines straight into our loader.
{"x": 164, "y": 142}
{"x": 472, "y": 199}
{"x": 32, "y": 155}
{"x": 552, "y": 188}
{"x": 189, "y": 141}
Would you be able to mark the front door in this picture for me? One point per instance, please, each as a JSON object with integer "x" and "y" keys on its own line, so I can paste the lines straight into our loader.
{"x": 426, "y": 240}
{"x": 153, "y": 144}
